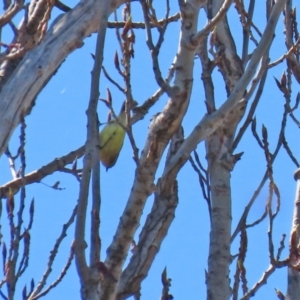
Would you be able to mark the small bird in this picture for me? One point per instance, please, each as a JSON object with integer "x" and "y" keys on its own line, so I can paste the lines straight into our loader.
{"x": 111, "y": 139}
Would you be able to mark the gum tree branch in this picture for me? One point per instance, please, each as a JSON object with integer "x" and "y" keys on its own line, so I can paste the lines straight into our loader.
{"x": 38, "y": 66}
{"x": 38, "y": 290}
{"x": 154, "y": 231}
{"x": 162, "y": 128}
{"x": 293, "y": 287}
{"x": 89, "y": 280}
{"x": 57, "y": 164}
{"x": 210, "y": 123}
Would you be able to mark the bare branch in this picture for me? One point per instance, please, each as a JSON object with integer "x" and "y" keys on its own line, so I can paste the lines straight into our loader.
{"x": 154, "y": 49}
{"x": 261, "y": 78}
{"x": 57, "y": 164}
{"x": 10, "y": 12}
{"x": 95, "y": 246}
{"x": 203, "y": 180}
{"x": 59, "y": 279}
{"x": 154, "y": 231}
{"x": 293, "y": 287}
{"x": 52, "y": 256}
{"x": 285, "y": 56}
{"x": 141, "y": 25}
{"x": 68, "y": 32}
{"x": 211, "y": 122}
{"x": 260, "y": 283}
{"x": 165, "y": 124}
{"x": 90, "y": 160}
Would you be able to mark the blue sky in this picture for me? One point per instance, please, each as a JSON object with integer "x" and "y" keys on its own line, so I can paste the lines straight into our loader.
{"x": 57, "y": 125}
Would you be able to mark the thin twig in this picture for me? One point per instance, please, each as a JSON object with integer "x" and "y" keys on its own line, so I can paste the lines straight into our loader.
{"x": 285, "y": 56}
{"x": 59, "y": 279}
{"x": 141, "y": 25}
{"x": 53, "y": 254}
{"x": 57, "y": 164}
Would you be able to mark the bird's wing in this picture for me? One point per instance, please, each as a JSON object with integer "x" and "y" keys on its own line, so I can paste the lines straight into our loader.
{"x": 103, "y": 143}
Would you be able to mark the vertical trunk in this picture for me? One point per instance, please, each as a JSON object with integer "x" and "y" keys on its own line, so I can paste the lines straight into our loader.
{"x": 293, "y": 288}
{"x": 90, "y": 291}
{"x": 219, "y": 248}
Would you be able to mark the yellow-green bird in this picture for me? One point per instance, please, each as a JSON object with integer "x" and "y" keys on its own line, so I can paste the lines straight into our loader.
{"x": 111, "y": 139}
